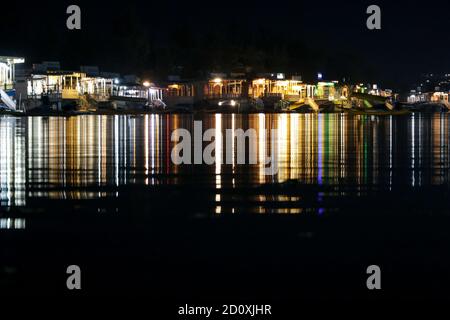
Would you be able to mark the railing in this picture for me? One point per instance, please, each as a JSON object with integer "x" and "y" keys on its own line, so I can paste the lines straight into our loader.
{"x": 100, "y": 97}
{"x": 175, "y": 94}
{"x": 224, "y": 96}
{"x": 51, "y": 96}
{"x": 268, "y": 94}
{"x": 129, "y": 98}
{"x": 7, "y": 86}
{"x": 141, "y": 94}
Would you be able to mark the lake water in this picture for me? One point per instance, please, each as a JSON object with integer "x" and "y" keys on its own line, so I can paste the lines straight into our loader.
{"x": 57, "y": 157}
{"x": 351, "y": 190}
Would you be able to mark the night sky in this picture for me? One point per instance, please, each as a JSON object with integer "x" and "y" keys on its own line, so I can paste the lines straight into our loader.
{"x": 192, "y": 38}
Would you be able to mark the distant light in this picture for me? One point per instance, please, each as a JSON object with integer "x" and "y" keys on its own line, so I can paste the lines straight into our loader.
{"x": 319, "y": 76}
{"x": 280, "y": 75}
{"x": 18, "y": 60}
{"x": 116, "y": 81}
{"x": 233, "y": 103}
{"x": 146, "y": 84}
{"x": 217, "y": 80}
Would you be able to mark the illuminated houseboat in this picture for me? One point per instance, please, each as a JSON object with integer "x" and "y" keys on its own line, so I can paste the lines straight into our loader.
{"x": 98, "y": 85}
{"x": 88, "y": 88}
{"x": 8, "y": 95}
{"x": 222, "y": 87}
{"x": 326, "y": 90}
{"x": 182, "y": 94}
{"x": 429, "y": 101}
{"x": 291, "y": 90}
{"x": 227, "y": 92}
{"x": 130, "y": 93}
{"x": 49, "y": 86}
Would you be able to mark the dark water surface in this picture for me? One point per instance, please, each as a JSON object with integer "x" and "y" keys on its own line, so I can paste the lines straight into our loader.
{"x": 102, "y": 192}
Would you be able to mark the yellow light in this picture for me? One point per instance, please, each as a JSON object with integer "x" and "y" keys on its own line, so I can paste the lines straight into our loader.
{"x": 146, "y": 84}
{"x": 280, "y": 83}
{"x": 217, "y": 80}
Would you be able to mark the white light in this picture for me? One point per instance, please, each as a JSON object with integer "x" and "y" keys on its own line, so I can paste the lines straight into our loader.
{"x": 233, "y": 103}
{"x": 116, "y": 81}
{"x": 319, "y": 76}
{"x": 146, "y": 84}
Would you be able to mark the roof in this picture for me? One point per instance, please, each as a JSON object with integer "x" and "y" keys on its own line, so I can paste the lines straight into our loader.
{"x": 54, "y": 72}
{"x": 9, "y": 59}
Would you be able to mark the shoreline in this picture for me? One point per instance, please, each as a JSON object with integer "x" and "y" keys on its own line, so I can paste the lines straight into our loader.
{"x": 405, "y": 110}
{"x": 197, "y": 112}
{"x": 402, "y": 109}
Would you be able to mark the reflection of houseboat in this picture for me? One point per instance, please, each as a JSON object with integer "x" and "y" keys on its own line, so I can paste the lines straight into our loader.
{"x": 8, "y": 95}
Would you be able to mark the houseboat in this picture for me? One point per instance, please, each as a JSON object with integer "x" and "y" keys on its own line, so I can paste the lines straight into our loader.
{"x": 49, "y": 86}
{"x": 8, "y": 96}
{"x": 98, "y": 86}
{"x": 182, "y": 94}
{"x": 287, "y": 89}
{"x": 428, "y": 101}
{"x": 227, "y": 92}
{"x": 130, "y": 93}
{"x": 275, "y": 91}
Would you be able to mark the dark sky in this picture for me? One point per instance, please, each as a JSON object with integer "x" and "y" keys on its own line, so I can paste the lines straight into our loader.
{"x": 191, "y": 37}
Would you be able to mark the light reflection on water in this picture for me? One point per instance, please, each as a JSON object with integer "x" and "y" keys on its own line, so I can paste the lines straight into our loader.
{"x": 73, "y": 158}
